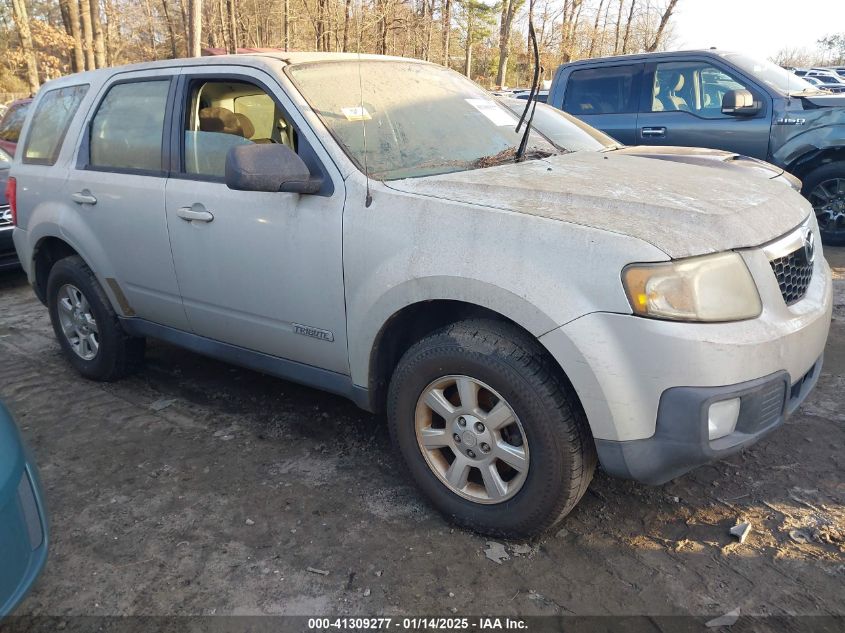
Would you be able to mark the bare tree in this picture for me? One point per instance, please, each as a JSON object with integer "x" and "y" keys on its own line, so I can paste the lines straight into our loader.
{"x": 628, "y": 26}
{"x": 71, "y": 8}
{"x": 87, "y": 34}
{"x": 595, "y": 34}
{"x": 21, "y": 18}
{"x": 195, "y": 28}
{"x": 232, "y": 26}
{"x": 618, "y": 25}
{"x": 664, "y": 20}
{"x": 446, "y": 21}
{"x": 97, "y": 34}
{"x": 509, "y": 9}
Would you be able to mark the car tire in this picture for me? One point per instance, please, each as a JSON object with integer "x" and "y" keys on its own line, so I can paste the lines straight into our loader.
{"x": 824, "y": 187}
{"x": 501, "y": 365}
{"x": 86, "y": 325}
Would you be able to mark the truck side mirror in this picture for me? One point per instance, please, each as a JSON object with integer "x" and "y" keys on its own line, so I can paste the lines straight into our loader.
{"x": 739, "y": 103}
{"x": 268, "y": 167}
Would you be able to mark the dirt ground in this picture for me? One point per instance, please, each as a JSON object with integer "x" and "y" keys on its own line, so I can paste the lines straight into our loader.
{"x": 199, "y": 488}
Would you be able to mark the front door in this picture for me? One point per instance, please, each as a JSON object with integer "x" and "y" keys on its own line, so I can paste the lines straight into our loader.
{"x": 262, "y": 271}
{"x": 682, "y": 106}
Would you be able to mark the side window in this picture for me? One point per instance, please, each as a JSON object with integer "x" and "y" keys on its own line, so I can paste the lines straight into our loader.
{"x": 50, "y": 122}
{"x": 126, "y": 132}
{"x": 10, "y": 126}
{"x": 696, "y": 87}
{"x": 605, "y": 90}
{"x": 222, "y": 114}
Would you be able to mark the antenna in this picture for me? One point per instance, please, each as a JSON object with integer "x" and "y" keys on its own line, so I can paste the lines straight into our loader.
{"x": 368, "y": 200}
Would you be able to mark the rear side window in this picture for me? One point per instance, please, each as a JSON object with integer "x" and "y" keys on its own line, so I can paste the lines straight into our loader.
{"x": 10, "y": 126}
{"x": 50, "y": 123}
{"x": 126, "y": 132}
{"x": 605, "y": 90}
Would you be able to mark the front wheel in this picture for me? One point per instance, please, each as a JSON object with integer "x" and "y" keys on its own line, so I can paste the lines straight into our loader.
{"x": 824, "y": 187}
{"x": 489, "y": 429}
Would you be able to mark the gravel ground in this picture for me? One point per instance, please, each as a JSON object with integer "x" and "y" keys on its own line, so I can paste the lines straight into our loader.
{"x": 197, "y": 488}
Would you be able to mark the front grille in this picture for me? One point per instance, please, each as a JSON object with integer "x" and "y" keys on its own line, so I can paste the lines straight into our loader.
{"x": 5, "y": 216}
{"x": 793, "y": 272}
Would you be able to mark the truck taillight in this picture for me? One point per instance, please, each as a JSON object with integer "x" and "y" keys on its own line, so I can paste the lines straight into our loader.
{"x": 12, "y": 197}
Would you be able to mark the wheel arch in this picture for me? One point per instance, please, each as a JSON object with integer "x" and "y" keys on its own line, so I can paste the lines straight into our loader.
{"x": 807, "y": 158}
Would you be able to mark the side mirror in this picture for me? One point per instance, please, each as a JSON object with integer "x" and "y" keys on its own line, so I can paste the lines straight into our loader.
{"x": 739, "y": 103}
{"x": 268, "y": 167}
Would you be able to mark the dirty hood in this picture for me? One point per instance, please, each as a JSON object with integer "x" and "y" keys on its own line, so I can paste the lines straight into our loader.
{"x": 682, "y": 209}
{"x": 704, "y": 157}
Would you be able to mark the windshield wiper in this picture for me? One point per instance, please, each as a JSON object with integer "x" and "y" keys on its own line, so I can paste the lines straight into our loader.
{"x": 532, "y": 101}
{"x": 511, "y": 154}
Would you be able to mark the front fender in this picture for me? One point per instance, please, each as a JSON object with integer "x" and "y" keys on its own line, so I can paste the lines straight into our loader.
{"x": 795, "y": 146}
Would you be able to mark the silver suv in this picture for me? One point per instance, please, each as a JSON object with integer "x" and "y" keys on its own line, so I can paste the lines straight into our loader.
{"x": 365, "y": 225}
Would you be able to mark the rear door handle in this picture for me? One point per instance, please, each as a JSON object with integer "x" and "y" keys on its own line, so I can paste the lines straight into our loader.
{"x": 653, "y": 132}
{"x": 195, "y": 213}
{"x": 83, "y": 197}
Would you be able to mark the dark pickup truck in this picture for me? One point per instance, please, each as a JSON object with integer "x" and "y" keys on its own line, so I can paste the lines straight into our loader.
{"x": 722, "y": 100}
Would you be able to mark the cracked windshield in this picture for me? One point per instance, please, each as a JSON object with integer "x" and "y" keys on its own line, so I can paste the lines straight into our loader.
{"x": 419, "y": 119}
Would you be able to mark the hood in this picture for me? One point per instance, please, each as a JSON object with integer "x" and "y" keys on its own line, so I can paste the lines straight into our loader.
{"x": 704, "y": 158}
{"x": 683, "y": 210}
{"x": 835, "y": 100}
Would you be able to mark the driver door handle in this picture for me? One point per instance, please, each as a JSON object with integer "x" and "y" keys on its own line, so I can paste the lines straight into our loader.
{"x": 83, "y": 197}
{"x": 195, "y": 213}
{"x": 653, "y": 132}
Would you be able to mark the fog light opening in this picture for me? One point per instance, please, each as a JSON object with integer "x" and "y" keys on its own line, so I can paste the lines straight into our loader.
{"x": 722, "y": 417}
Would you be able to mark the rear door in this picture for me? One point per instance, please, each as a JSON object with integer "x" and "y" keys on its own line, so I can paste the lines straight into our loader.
{"x": 681, "y": 104}
{"x": 115, "y": 189}
{"x": 606, "y": 97}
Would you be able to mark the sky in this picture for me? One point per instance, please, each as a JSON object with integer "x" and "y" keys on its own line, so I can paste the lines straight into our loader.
{"x": 756, "y": 27}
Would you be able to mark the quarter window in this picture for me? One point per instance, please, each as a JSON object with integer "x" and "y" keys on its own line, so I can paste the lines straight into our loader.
{"x": 127, "y": 130}
{"x": 50, "y": 122}
{"x": 10, "y": 126}
{"x": 696, "y": 87}
{"x": 606, "y": 90}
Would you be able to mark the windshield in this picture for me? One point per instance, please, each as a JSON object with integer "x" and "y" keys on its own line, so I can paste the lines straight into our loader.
{"x": 420, "y": 119}
{"x": 771, "y": 74}
{"x": 564, "y": 130}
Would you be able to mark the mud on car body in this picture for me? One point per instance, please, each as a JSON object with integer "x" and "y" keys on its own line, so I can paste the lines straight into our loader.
{"x": 364, "y": 225}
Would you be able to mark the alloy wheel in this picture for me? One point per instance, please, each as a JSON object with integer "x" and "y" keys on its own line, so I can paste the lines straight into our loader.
{"x": 471, "y": 439}
{"x": 828, "y": 200}
{"x": 78, "y": 324}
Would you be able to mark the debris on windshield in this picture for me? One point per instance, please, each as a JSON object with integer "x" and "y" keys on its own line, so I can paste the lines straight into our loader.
{"x": 509, "y": 154}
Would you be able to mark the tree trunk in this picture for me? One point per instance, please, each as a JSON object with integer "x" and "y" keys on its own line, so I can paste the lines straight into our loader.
{"x": 171, "y": 31}
{"x": 447, "y": 29}
{"x": 618, "y": 24}
{"x": 508, "y": 12}
{"x": 195, "y": 28}
{"x": 664, "y": 20}
{"x": 183, "y": 11}
{"x": 595, "y": 34}
{"x": 72, "y": 10}
{"x": 346, "y": 14}
{"x": 231, "y": 18}
{"x": 21, "y": 17}
{"x": 286, "y": 11}
{"x": 468, "y": 56}
{"x": 87, "y": 34}
{"x": 628, "y": 26}
{"x": 97, "y": 33}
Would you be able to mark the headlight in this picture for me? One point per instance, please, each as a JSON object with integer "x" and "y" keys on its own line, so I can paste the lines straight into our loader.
{"x": 709, "y": 288}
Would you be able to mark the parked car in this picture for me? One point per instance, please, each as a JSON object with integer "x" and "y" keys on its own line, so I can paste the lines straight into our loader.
{"x": 822, "y": 84}
{"x": 723, "y": 101}
{"x": 23, "y": 521}
{"x": 11, "y": 123}
{"x": 8, "y": 256}
{"x": 519, "y": 314}
{"x": 573, "y": 134}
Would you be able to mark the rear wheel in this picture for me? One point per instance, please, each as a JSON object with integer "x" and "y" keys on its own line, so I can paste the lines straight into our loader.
{"x": 489, "y": 430}
{"x": 824, "y": 187}
{"x": 87, "y": 327}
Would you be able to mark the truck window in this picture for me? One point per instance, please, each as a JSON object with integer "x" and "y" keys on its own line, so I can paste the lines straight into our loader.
{"x": 50, "y": 122}
{"x": 696, "y": 87}
{"x": 126, "y": 132}
{"x": 222, "y": 114}
{"x": 604, "y": 90}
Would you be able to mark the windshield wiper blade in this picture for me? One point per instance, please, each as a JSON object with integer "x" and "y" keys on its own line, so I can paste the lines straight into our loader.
{"x": 535, "y": 86}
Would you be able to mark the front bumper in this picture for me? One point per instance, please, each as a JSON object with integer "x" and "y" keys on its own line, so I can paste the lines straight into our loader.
{"x": 681, "y": 439}
{"x": 643, "y": 383}
{"x": 8, "y": 256}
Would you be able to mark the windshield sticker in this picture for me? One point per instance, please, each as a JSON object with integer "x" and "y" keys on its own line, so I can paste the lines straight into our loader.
{"x": 492, "y": 111}
{"x": 356, "y": 113}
